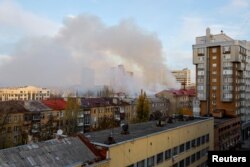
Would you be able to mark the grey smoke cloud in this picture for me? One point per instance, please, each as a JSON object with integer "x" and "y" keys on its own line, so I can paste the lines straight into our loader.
{"x": 85, "y": 47}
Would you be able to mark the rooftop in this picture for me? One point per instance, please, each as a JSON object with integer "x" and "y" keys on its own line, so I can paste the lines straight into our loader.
{"x": 137, "y": 131}
{"x": 12, "y": 107}
{"x": 55, "y": 104}
{"x": 223, "y": 120}
{"x": 56, "y": 152}
{"x": 36, "y": 106}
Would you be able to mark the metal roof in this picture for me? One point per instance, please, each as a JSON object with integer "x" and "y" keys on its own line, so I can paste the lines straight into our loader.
{"x": 55, "y": 153}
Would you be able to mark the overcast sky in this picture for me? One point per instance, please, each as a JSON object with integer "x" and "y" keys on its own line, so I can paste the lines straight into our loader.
{"x": 170, "y": 26}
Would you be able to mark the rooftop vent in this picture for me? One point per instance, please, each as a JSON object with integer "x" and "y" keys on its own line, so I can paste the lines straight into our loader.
{"x": 160, "y": 123}
{"x": 125, "y": 130}
{"x": 110, "y": 139}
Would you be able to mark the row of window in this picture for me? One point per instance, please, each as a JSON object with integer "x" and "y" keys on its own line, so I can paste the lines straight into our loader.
{"x": 166, "y": 155}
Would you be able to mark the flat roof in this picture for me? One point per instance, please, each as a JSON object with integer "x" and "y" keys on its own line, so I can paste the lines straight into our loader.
{"x": 218, "y": 121}
{"x": 137, "y": 131}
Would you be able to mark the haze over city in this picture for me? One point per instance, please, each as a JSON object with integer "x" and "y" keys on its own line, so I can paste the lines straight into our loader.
{"x": 62, "y": 44}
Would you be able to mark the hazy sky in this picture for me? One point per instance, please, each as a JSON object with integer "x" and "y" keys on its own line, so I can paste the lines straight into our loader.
{"x": 173, "y": 25}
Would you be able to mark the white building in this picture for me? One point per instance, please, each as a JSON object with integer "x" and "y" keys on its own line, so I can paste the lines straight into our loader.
{"x": 24, "y": 93}
{"x": 183, "y": 76}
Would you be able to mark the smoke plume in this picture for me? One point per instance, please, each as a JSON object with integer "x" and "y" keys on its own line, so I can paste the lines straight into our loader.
{"x": 83, "y": 52}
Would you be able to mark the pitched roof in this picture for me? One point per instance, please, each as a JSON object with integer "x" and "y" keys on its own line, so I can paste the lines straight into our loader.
{"x": 56, "y": 153}
{"x": 12, "y": 107}
{"x": 55, "y": 104}
{"x": 179, "y": 92}
{"x": 94, "y": 102}
{"x": 35, "y": 106}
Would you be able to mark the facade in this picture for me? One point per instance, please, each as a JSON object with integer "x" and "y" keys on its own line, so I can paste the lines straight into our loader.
{"x": 11, "y": 124}
{"x": 161, "y": 105}
{"x": 181, "y": 101}
{"x": 24, "y": 93}
{"x": 223, "y": 77}
{"x": 181, "y": 143}
{"x": 183, "y": 76}
{"x": 226, "y": 133}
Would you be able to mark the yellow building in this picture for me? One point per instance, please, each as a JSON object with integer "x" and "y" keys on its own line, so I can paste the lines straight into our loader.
{"x": 181, "y": 143}
{"x": 183, "y": 76}
{"x": 24, "y": 93}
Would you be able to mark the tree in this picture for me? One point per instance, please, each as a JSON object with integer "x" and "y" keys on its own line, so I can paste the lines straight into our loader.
{"x": 71, "y": 113}
{"x": 142, "y": 108}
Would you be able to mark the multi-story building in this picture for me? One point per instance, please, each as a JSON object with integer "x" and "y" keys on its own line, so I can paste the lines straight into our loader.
{"x": 178, "y": 144}
{"x": 158, "y": 105}
{"x": 226, "y": 133}
{"x": 223, "y": 77}
{"x": 181, "y": 101}
{"x": 183, "y": 76}
{"x": 24, "y": 93}
{"x": 12, "y": 132}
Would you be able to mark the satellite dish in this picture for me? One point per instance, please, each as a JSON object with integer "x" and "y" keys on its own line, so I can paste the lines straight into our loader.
{"x": 59, "y": 132}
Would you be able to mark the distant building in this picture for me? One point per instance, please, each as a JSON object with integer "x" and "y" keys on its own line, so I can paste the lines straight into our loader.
{"x": 181, "y": 143}
{"x": 223, "y": 77}
{"x": 183, "y": 76}
{"x": 181, "y": 101}
{"x": 24, "y": 93}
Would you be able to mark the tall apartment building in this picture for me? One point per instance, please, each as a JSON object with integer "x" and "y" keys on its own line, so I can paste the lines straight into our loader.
{"x": 24, "y": 93}
{"x": 182, "y": 76}
{"x": 223, "y": 76}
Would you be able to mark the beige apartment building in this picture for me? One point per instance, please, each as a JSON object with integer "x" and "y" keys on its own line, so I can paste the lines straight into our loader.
{"x": 223, "y": 76}
{"x": 183, "y": 76}
{"x": 24, "y": 93}
{"x": 178, "y": 144}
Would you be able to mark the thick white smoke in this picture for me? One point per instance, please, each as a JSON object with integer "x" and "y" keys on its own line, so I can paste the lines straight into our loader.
{"x": 82, "y": 53}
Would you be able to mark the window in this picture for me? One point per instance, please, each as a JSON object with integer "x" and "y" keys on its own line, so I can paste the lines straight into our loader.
{"x": 193, "y": 158}
{"x": 168, "y": 154}
{"x": 201, "y": 73}
{"x": 187, "y": 161}
{"x": 214, "y": 72}
{"x": 214, "y": 57}
{"x": 181, "y": 163}
{"x": 226, "y": 49}
{"x": 175, "y": 151}
{"x": 214, "y": 80}
{"x": 200, "y": 87}
{"x": 188, "y": 145}
{"x": 182, "y": 148}
{"x": 227, "y": 56}
{"x": 198, "y": 155}
{"x": 214, "y": 65}
{"x": 151, "y": 161}
{"x": 159, "y": 158}
{"x": 201, "y": 51}
{"x": 193, "y": 143}
{"x": 201, "y": 58}
{"x": 214, "y": 87}
{"x": 207, "y": 138}
{"x": 140, "y": 164}
{"x": 198, "y": 141}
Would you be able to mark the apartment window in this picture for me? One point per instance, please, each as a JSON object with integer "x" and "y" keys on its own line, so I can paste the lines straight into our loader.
{"x": 200, "y": 87}
{"x": 214, "y": 87}
{"x": 187, "y": 161}
{"x": 193, "y": 143}
{"x": 227, "y": 72}
{"x": 198, "y": 141}
{"x": 201, "y": 51}
{"x": 175, "y": 151}
{"x": 214, "y": 72}
{"x": 214, "y": 80}
{"x": 159, "y": 158}
{"x": 188, "y": 145}
{"x": 151, "y": 161}
{"x": 140, "y": 164}
{"x": 207, "y": 138}
{"x": 200, "y": 66}
{"x": 214, "y": 65}
{"x": 193, "y": 158}
{"x": 198, "y": 155}
{"x": 200, "y": 73}
{"x": 168, "y": 154}
{"x": 226, "y": 49}
{"x": 181, "y": 163}
{"x": 182, "y": 148}
{"x": 203, "y": 139}
{"x": 214, "y": 57}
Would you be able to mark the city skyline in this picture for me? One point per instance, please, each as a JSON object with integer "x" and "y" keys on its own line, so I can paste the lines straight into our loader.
{"x": 167, "y": 24}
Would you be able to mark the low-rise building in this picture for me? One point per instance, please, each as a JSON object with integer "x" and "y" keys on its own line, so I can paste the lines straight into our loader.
{"x": 181, "y": 143}
{"x": 181, "y": 101}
